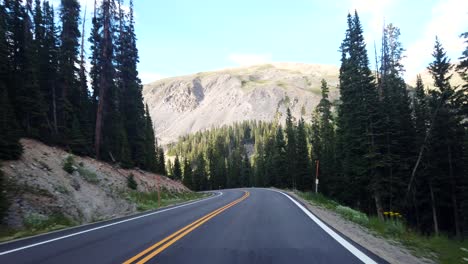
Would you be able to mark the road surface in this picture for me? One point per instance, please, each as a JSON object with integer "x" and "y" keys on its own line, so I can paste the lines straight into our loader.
{"x": 234, "y": 226}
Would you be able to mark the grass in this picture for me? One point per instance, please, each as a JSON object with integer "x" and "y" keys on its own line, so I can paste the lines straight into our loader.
{"x": 35, "y": 224}
{"x": 149, "y": 200}
{"x": 88, "y": 175}
{"x": 440, "y": 248}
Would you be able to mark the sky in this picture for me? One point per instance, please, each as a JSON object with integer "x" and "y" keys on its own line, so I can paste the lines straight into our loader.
{"x": 179, "y": 37}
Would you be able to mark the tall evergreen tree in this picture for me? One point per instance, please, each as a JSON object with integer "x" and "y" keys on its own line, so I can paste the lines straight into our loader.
{"x": 326, "y": 142}
{"x": 73, "y": 99}
{"x": 177, "y": 170}
{"x": 280, "y": 159}
{"x": 291, "y": 150}
{"x": 188, "y": 174}
{"x": 398, "y": 132}
{"x": 10, "y": 148}
{"x": 304, "y": 172}
{"x": 447, "y": 151}
{"x": 358, "y": 121}
{"x": 130, "y": 88}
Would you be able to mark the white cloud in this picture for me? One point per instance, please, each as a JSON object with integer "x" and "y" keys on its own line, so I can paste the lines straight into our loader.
{"x": 249, "y": 59}
{"x": 148, "y": 77}
{"x": 449, "y": 20}
{"x": 374, "y": 13}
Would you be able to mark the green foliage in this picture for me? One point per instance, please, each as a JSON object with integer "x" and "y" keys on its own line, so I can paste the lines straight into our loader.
{"x": 177, "y": 170}
{"x": 149, "y": 200}
{"x": 69, "y": 164}
{"x": 131, "y": 183}
{"x": 88, "y": 175}
{"x": 446, "y": 250}
{"x": 352, "y": 215}
{"x": 37, "y": 222}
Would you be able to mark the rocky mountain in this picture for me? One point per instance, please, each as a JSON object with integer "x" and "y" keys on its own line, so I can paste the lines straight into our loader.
{"x": 187, "y": 104}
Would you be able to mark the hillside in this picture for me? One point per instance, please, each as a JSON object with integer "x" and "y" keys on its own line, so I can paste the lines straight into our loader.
{"x": 38, "y": 187}
{"x": 187, "y": 104}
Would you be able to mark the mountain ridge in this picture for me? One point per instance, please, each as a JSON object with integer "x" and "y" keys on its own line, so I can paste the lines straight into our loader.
{"x": 187, "y": 104}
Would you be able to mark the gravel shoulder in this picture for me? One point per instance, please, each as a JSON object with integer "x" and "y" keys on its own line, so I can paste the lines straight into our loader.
{"x": 391, "y": 251}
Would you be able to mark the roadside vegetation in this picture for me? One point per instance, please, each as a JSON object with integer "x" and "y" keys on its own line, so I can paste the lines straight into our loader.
{"x": 149, "y": 200}
{"x": 35, "y": 224}
{"x": 437, "y": 247}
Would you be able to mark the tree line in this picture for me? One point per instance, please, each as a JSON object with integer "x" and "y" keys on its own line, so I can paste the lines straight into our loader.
{"x": 47, "y": 94}
{"x": 383, "y": 146}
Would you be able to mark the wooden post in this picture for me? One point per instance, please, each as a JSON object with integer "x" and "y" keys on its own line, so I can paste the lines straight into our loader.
{"x": 159, "y": 193}
{"x": 317, "y": 163}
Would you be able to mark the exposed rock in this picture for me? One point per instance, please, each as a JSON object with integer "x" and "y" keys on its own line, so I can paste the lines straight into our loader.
{"x": 31, "y": 190}
{"x": 187, "y": 104}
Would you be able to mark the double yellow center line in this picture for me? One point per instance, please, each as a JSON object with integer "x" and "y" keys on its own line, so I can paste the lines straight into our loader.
{"x": 157, "y": 248}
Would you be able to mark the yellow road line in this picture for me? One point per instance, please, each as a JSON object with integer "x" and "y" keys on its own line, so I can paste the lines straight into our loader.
{"x": 185, "y": 230}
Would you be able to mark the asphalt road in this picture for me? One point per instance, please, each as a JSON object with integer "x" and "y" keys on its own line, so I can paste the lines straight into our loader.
{"x": 235, "y": 226}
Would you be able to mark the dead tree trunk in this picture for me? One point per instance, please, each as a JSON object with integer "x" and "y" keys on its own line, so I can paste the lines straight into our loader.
{"x": 103, "y": 79}
{"x": 453, "y": 194}
{"x": 434, "y": 211}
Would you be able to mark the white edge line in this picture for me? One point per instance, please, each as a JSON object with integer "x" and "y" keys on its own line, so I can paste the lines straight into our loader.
{"x": 356, "y": 252}
{"x": 104, "y": 226}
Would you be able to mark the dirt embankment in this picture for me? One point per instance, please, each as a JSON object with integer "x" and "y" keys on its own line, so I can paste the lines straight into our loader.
{"x": 37, "y": 185}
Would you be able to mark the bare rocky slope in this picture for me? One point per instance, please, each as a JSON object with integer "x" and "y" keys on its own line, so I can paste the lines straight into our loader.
{"x": 38, "y": 186}
{"x": 187, "y": 104}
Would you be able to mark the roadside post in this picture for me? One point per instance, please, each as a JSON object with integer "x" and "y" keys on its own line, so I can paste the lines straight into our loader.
{"x": 317, "y": 163}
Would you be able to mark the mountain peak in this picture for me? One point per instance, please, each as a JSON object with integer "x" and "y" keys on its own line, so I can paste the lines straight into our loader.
{"x": 187, "y": 104}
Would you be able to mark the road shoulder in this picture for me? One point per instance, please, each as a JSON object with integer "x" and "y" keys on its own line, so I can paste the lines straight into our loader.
{"x": 391, "y": 251}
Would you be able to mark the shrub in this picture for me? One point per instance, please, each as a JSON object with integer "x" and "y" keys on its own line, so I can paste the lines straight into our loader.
{"x": 88, "y": 175}
{"x": 131, "y": 183}
{"x": 353, "y": 215}
{"x": 394, "y": 228}
{"x": 69, "y": 164}
{"x": 35, "y": 221}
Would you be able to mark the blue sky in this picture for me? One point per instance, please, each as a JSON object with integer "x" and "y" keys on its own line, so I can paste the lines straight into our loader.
{"x": 178, "y": 37}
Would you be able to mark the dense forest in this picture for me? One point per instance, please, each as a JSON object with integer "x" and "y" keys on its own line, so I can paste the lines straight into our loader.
{"x": 382, "y": 147}
{"x": 44, "y": 86}
{"x": 45, "y": 93}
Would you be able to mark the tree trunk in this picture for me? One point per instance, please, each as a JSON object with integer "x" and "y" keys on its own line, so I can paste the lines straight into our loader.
{"x": 102, "y": 79}
{"x": 453, "y": 194}
{"x": 378, "y": 206}
{"x": 434, "y": 212}
{"x": 416, "y": 211}
{"x": 54, "y": 108}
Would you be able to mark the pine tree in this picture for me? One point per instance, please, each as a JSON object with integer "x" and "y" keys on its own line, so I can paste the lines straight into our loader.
{"x": 150, "y": 152}
{"x": 188, "y": 174}
{"x": 129, "y": 85}
{"x": 326, "y": 141}
{"x": 304, "y": 172}
{"x": 291, "y": 150}
{"x": 200, "y": 180}
{"x": 177, "y": 170}
{"x": 73, "y": 99}
{"x": 280, "y": 159}
{"x": 10, "y": 148}
{"x": 397, "y": 125}
{"x": 48, "y": 68}
{"x": 161, "y": 162}
{"x": 358, "y": 119}
{"x": 446, "y": 107}
{"x": 23, "y": 87}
